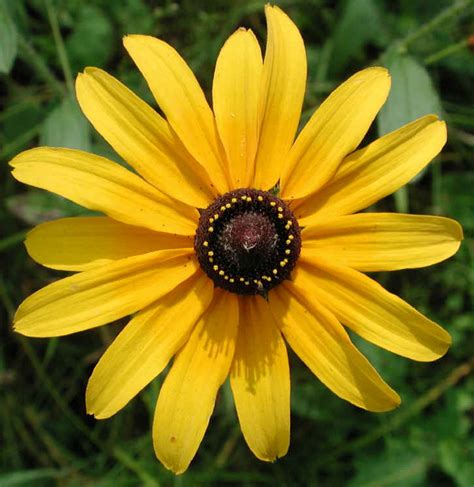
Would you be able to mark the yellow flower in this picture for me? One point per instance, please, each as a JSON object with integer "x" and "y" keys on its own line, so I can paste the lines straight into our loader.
{"x": 217, "y": 267}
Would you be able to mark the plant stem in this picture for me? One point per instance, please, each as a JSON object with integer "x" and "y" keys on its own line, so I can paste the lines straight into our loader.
{"x": 433, "y": 24}
{"x": 397, "y": 421}
{"x": 31, "y": 56}
{"x": 58, "y": 39}
{"x": 447, "y": 51}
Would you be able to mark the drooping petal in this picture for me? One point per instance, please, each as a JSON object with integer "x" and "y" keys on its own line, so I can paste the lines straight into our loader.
{"x": 283, "y": 87}
{"x": 236, "y": 97}
{"x": 375, "y": 171}
{"x": 336, "y": 129}
{"x": 145, "y": 346}
{"x": 142, "y": 138}
{"x": 182, "y": 100}
{"x": 324, "y": 346}
{"x": 383, "y": 241}
{"x": 83, "y": 243}
{"x": 102, "y": 185}
{"x": 260, "y": 381}
{"x": 188, "y": 394}
{"x": 370, "y": 311}
{"x": 99, "y": 296}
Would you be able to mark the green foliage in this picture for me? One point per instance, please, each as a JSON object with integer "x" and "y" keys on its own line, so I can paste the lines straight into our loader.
{"x": 8, "y": 39}
{"x": 45, "y": 436}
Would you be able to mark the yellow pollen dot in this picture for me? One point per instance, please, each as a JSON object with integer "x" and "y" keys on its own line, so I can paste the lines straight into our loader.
{"x": 288, "y": 242}
{"x": 280, "y": 209}
{"x": 226, "y": 278}
{"x": 287, "y": 227}
{"x": 211, "y": 260}
{"x": 211, "y": 220}
{"x": 289, "y": 222}
{"x": 216, "y": 216}
{"x": 280, "y": 216}
{"x": 291, "y": 236}
{"x": 222, "y": 208}
{"x": 221, "y": 272}
{"x": 264, "y": 278}
{"x": 234, "y": 200}
{"x": 246, "y": 283}
{"x": 272, "y": 203}
{"x": 269, "y": 278}
{"x": 285, "y": 260}
{"x": 260, "y": 198}
{"x": 283, "y": 263}
{"x": 275, "y": 271}
{"x": 243, "y": 197}
{"x": 231, "y": 279}
{"x": 249, "y": 199}
{"x": 205, "y": 243}
{"x": 210, "y": 253}
{"x": 228, "y": 205}
{"x": 287, "y": 251}
{"x": 215, "y": 267}
{"x": 210, "y": 229}
{"x": 241, "y": 279}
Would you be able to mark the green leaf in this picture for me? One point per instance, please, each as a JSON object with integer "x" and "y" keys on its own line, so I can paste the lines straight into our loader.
{"x": 28, "y": 477}
{"x": 8, "y": 39}
{"x": 360, "y": 23}
{"x": 36, "y": 206}
{"x": 399, "y": 465}
{"x": 92, "y": 40}
{"x": 412, "y": 94}
{"x": 66, "y": 126}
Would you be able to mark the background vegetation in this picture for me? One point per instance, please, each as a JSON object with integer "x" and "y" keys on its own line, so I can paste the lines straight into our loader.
{"x": 46, "y": 437}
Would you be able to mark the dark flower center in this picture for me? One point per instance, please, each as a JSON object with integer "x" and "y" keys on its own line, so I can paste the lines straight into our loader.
{"x": 247, "y": 241}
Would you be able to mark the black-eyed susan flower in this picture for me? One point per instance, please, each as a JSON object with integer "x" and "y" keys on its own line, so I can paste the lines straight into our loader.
{"x": 234, "y": 236}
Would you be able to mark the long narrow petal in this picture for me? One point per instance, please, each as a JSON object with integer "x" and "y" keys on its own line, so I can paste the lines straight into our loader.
{"x": 179, "y": 95}
{"x": 370, "y": 311}
{"x": 99, "y": 296}
{"x": 283, "y": 87}
{"x": 260, "y": 381}
{"x": 187, "y": 397}
{"x": 83, "y": 243}
{"x": 236, "y": 97}
{"x": 324, "y": 346}
{"x": 142, "y": 138}
{"x": 375, "y": 171}
{"x": 101, "y": 185}
{"x": 145, "y": 346}
{"x": 384, "y": 241}
{"x": 336, "y": 129}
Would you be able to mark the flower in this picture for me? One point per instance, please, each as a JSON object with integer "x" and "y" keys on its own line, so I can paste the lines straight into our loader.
{"x": 232, "y": 237}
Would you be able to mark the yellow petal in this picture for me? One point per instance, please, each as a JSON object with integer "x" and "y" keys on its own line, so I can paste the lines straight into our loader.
{"x": 145, "y": 346}
{"x": 235, "y": 93}
{"x": 102, "y": 185}
{"x": 336, "y": 128}
{"x": 384, "y": 241}
{"x": 99, "y": 296}
{"x": 142, "y": 138}
{"x": 260, "y": 381}
{"x": 83, "y": 243}
{"x": 375, "y": 171}
{"x": 179, "y": 95}
{"x": 370, "y": 311}
{"x": 324, "y": 346}
{"x": 188, "y": 394}
{"x": 283, "y": 86}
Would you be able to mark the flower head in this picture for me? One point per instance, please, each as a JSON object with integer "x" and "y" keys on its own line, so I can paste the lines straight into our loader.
{"x": 234, "y": 237}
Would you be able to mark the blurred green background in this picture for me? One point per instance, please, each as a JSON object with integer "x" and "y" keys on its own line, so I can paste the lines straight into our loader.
{"x": 46, "y": 437}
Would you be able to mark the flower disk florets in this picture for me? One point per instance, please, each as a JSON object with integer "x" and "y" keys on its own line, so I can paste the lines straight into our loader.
{"x": 247, "y": 241}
